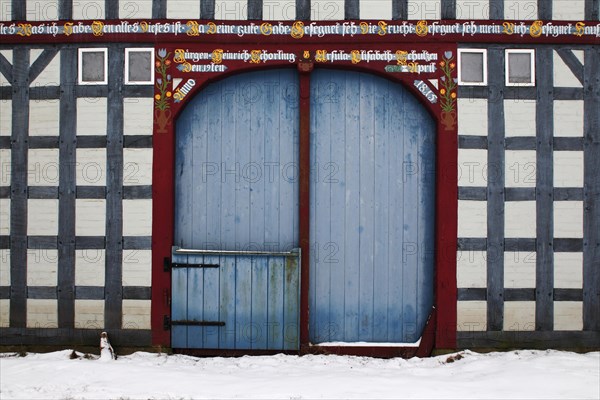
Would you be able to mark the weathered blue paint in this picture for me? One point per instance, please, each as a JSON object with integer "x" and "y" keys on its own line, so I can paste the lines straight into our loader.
{"x": 236, "y": 165}
{"x": 236, "y": 188}
{"x": 255, "y": 297}
{"x": 372, "y": 210}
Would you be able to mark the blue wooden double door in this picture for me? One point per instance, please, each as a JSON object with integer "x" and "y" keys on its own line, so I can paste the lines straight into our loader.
{"x": 236, "y": 277}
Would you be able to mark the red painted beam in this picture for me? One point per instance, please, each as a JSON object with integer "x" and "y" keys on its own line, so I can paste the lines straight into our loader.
{"x": 446, "y": 237}
{"x": 163, "y": 217}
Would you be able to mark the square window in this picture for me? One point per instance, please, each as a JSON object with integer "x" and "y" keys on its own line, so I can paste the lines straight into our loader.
{"x": 93, "y": 66}
{"x": 472, "y": 67}
{"x": 139, "y": 66}
{"x": 520, "y": 67}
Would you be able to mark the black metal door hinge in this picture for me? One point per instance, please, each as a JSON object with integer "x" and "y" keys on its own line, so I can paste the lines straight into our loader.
{"x": 167, "y": 264}
{"x": 166, "y": 322}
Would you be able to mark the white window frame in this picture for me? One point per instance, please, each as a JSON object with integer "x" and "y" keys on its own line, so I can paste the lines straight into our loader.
{"x": 507, "y": 52}
{"x": 80, "y": 65}
{"x": 485, "y": 72}
{"x": 139, "y": 50}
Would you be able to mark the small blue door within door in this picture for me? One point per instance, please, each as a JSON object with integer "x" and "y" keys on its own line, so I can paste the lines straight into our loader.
{"x": 236, "y": 194}
{"x": 371, "y": 210}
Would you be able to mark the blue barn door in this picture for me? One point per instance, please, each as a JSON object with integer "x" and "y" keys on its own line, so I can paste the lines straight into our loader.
{"x": 371, "y": 210}
{"x": 235, "y": 279}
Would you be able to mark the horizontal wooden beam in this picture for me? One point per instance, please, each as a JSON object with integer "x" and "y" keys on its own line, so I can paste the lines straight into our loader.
{"x": 531, "y": 340}
{"x": 71, "y": 337}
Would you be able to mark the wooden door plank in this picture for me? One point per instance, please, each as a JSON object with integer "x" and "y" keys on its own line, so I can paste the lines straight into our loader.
{"x": 381, "y": 209}
{"x": 366, "y": 210}
{"x": 211, "y": 300}
{"x": 243, "y": 302}
{"x": 259, "y": 327}
{"x": 275, "y": 295}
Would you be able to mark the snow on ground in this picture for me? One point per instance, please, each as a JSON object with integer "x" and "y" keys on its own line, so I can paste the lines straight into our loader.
{"x": 517, "y": 374}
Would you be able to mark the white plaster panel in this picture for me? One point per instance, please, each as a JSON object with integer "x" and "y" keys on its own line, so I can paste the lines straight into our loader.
{"x": 138, "y": 116}
{"x": 91, "y": 167}
{"x": 42, "y": 10}
{"x": 138, "y": 9}
{"x": 519, "y": 315}
{"x": 231, "y": 9}
{"x": 90, "y": 217}
{"x": 568, "y": 118}
{"x": 319, "y": 10}
{"x": 4, "y": 313}
{"x": 42, "y": 217}
{"x": 91, "y": 116}
{"x": 43, "y": 117}
{"x": 89, "y": 314}
{"x": 568, "y": 219}
{"x": 471, "y": 316}
{"x": 8, "y": 55}
{"x": 5, "y": 167}
{"x": 42, "y": 267}
{"x": 184, "y": 9}
{"x": 520, "y": 168}
{"x": 520, "y": 9}
{"x": 471, "y": 269}
{"x": 5, "y": 10}
{"x": 470, "y": 121}
{"x": 43, "y": 167}
{"x": 88, "y": 9}
{"x": 568, "y": 168}
{"x": 519, "y": 117}
{"x": 89, "y": 267}
{"x": 375, "y": 9}
{"x": 137, "y": 267}
{"x": 137, "y": 217}
{"x": 568, "y": 10}
{"x": 4, "y": 267}
{"x": 472, "y": 167}
{"x": 472, "y": 219}
{"x": 563, "y": 77}
{"x": 5, "y": 117}
{"x": 568, "y": 270}
{"x": 50, "y": 76}
{"x": 424, "y": 9}
{"x": 136, "y": 314}
{"x": 42, "y": 313}
{"x": 137, "y": 167}
{"x": 568, "y": 315}
{"x": 4, "y": 216}
{"x": 469, "y": 9}
{"x": 519, "y": 270}
{"x": 519, "y": 219}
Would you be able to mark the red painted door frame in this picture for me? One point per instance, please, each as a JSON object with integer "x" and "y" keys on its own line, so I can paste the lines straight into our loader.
{"x": 444, "y": 317}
